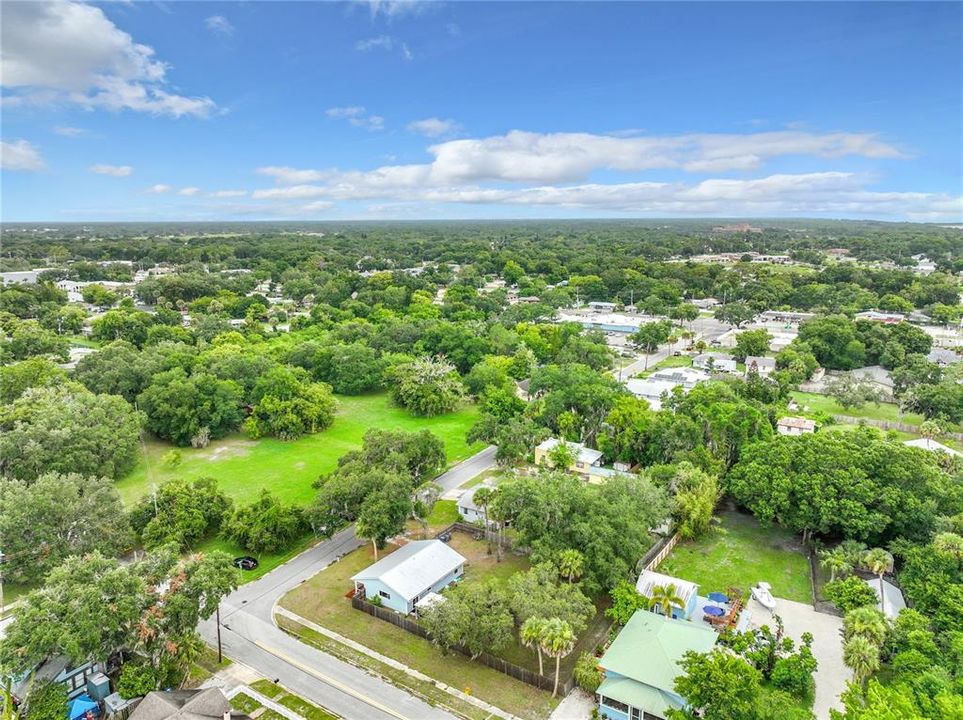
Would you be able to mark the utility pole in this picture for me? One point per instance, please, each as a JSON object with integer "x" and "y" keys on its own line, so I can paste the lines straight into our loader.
{"x": 218, "y": 633}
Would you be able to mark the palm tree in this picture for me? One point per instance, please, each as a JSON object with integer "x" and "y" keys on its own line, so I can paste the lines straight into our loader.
{"x": 867, "y": 622}
{"x": 482, "y": 498}
{"x": 557, "y": 641}
{"x": 854, "y": 551}
{"x": 948, "y": 543}
{"x": 862, "y": 657}
{"x": 570, "y": 564}
{"x": 879, "y": 562}
{"x": 531, "y": 637}
{"x": 665, "y": 598}
{"x": 836, "y": 561}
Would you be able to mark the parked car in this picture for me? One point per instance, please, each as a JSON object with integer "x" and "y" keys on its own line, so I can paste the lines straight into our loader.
{"x": 246, "y": 562}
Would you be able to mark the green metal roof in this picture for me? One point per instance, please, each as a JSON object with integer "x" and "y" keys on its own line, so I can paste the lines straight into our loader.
{"x": 638, "y": 695}
{"x": 650, "y": 646}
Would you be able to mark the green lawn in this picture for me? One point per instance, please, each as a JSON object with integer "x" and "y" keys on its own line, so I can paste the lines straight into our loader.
{"x": 307, "y": 710}
{"x": 673, "y": 361}
{"x": 885, "y": 411}
{"x": 245, "y": 466}
{"x": 445, "y": 512}
{"x": 739, "y": 553}
{"x": 322, "y": 600}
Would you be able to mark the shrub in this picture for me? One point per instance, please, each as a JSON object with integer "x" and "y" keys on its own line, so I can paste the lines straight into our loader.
{"x": 136, "y": 680}
{"x": 587, "y": 672}
{"x": 47, "y": 702}
{"x": 849, "y": 593}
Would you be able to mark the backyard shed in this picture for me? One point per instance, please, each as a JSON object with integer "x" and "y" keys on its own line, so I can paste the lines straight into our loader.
{"x": 688, "y": 592}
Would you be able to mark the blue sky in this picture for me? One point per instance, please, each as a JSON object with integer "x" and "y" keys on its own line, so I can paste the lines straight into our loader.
{"x": 260, "y": 110}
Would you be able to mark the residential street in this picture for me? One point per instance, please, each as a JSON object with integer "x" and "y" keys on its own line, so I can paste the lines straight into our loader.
{"x": 248, "y": 633}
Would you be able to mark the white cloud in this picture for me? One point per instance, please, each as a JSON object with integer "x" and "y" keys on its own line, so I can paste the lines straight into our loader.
{"x": 357, "y": 116}
{"x": 381, "y": 42}
{"x": 114, "y": 170}
{"x": 289, "y": 175}
{"x": 58, "y": 50}
{"x": 434, "y": 127}
{"x": 566, "y": 157}
{"x": 391, "y": 9}
{"x": 350, "y": 111}
{"x": 20, "y": 155}
{"x": 406, "y": 52}
{"x": 189, "y": 191}
{"x": 317, "y": 206}
{"x": 553, "y": 171}
{"x": 219, "y": 24}
{"x": 159, "y": 189}
{"x": 228, "y": 193}
{"x": 67, "y": 131}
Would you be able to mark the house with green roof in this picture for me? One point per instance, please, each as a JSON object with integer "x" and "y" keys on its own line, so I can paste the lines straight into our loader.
{"x": 642, "y": 663}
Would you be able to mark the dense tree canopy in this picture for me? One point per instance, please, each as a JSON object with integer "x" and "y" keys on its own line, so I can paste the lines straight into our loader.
{"x": 68, "y": 429}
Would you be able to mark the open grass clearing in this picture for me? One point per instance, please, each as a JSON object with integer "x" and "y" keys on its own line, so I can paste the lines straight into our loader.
{"x": 322, "y": 600}
{"x": 890, "y": 412}
{"x": 243, "y": 466}
{"x": 738, "y": 552}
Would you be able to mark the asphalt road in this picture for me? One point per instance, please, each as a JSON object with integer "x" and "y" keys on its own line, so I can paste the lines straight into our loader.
{"x": 248, "y": 633}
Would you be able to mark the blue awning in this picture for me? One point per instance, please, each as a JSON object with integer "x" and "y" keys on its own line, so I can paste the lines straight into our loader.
{"x": 79, "y": 707}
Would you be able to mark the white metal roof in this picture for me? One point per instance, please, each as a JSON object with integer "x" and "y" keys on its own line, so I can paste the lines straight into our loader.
{"x": 413, "y": 567}
{"x": 650, "y": 579}
{"x": 583, "y": 454}
{"x": 893, "y": 600}
{"x": 932, "y": 446}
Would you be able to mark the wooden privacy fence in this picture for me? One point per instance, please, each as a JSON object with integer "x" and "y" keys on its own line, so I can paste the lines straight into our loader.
{"x": 565, "y": 683}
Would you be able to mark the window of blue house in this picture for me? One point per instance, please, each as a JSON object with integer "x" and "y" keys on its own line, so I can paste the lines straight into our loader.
{"x": 614, "y": 704}
{"x": 386, "y": 596}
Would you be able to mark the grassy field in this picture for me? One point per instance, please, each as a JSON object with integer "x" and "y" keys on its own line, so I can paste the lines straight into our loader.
{"x": 739, "y": 553}
{"x": 322, "y": 600}
{"x": 885, "y": 411}
{"x": 244, "y": 466}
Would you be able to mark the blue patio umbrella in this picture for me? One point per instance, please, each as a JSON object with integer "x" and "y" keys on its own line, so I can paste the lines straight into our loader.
{"x": 79, "y": 707}
{"x": 718, "y": 597}
{"x": 714, "y": 611}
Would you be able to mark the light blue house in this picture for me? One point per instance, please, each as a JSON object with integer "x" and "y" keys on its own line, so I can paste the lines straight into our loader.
{"x": 409, "y": 574}
{"x": 642, "y": 663}
{"x": 687, "y": 591}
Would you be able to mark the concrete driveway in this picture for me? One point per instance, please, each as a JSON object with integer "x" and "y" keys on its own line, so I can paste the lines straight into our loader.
{"x": 831, "y": 674}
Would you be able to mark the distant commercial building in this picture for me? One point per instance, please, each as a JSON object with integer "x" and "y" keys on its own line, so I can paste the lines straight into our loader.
{"x": 887, "y": 318}
{"x": 20, "y": 277}
{"x": 737, "y": 228}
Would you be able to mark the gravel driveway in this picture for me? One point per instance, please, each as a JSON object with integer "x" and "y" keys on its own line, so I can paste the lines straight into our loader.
{"x": 831, "y": 674}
